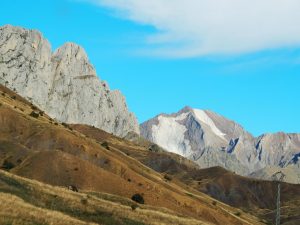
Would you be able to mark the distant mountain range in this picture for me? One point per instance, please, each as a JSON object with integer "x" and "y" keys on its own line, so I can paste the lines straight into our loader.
{"x": 65, "y": 85}
{"x": 212, "y": 140}
{"x": 60, "y": 125}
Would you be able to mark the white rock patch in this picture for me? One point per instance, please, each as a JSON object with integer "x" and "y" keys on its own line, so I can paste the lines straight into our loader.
{"x": 204, "y": 118}
{"x": 169, "y": 134}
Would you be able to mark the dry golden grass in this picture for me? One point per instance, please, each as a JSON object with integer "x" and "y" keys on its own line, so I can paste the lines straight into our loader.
{"x": 257, "y": 197}
{"x": 51, "y": 153}
{"x": 15, "y": 211}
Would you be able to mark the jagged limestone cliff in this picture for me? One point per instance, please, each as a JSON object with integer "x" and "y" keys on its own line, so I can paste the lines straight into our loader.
{"x": 62, "y": 83}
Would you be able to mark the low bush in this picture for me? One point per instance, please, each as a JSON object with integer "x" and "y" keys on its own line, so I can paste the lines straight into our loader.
{"x": 238, "y": 213}
{"x": 65, "y": 125}
{"x": 138, "y": 198}
{"x": 7, "y": 165}
{"x": 105, "y": 145}
{"x": 168, "y": 177}
{"x": 34, "y": 114}
{"x": 134, "y": 207}
{"x": 33, "y": 107}
{"x": 154, "y": 148}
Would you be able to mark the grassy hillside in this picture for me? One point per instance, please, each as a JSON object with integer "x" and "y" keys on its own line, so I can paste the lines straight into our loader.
{"x": 250, "y": 195}
{"x": 31, "y": 202}
{"x": 37, "y": 147}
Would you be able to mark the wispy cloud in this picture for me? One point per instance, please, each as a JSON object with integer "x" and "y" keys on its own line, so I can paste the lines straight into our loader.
{"x": 188, "y": 28}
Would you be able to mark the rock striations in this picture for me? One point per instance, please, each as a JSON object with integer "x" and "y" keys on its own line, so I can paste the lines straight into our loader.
{"x": 63, "y": 83}
{"x": 212, "y": 140}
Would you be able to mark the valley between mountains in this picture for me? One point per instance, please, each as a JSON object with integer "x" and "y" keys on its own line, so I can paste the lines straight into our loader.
{"x": 71, "y": 152}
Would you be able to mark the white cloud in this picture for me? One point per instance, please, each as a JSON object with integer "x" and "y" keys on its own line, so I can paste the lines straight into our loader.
{"x": 187, "y": 28}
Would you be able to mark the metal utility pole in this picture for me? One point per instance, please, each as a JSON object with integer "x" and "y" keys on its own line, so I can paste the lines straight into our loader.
{"x": 278, "y": 177}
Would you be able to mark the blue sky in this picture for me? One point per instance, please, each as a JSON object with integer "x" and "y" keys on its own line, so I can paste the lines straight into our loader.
{"x": 161, "y": 67}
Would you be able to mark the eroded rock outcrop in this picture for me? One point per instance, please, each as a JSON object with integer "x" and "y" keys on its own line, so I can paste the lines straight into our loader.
{"x": 62, "y": 83}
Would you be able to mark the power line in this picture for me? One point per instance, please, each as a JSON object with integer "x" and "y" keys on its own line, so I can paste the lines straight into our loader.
{"x": 278, "y": 177}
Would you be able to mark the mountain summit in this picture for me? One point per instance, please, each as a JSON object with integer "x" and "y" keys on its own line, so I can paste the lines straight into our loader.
{"x": 212, "y": 140}
{"x": 62, "y": 83}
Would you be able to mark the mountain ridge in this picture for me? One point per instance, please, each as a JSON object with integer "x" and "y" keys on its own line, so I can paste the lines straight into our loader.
{"x": 213, "y": 140}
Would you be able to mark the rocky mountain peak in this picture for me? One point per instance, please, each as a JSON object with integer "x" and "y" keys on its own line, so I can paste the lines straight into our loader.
{"x": 63, "y": 83}
{"x": 213, "y": 140}
{"x": 186, "y": 109}
{"x": 71, "y": 51}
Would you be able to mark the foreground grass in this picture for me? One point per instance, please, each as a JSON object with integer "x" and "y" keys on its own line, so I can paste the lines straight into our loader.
{"x": 15, "y": 211}
{"x": 32, "y": 202}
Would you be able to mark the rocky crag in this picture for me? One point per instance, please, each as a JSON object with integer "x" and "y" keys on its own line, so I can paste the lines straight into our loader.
{"x": 212, "y": 140}
{"x": 63, "y": 83}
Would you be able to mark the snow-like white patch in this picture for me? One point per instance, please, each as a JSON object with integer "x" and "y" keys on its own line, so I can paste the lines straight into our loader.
{"x": 204, "y": 118}
{"x": 169, "y": 134}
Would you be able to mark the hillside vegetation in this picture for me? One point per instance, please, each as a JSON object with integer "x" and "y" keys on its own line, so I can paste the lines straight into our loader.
{"x": 25, "y": 201}
{"x": 257, "y": 197}
{"x": 37, "y": 147}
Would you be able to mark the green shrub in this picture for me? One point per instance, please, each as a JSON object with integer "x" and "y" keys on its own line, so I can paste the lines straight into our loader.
{"x": 105, "y": 145}
{"x": 138, "y": 198}
{"x": 238, "y": 213}
{"x": 7, "y": 165}
{"x": 154, "y": 148}
{"x": 168, "y": 177}
{"x": 34, "y": 114}
{"x": 65, "y": 125}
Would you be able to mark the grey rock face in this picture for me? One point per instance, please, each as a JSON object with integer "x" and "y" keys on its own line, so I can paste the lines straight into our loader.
{"x": 212, "y": 140}
{"x": 292, "y": 173}
{"x": 278, "y": 149}
{"x": 211, "y": 157}
{"x": 64, "y": 83}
